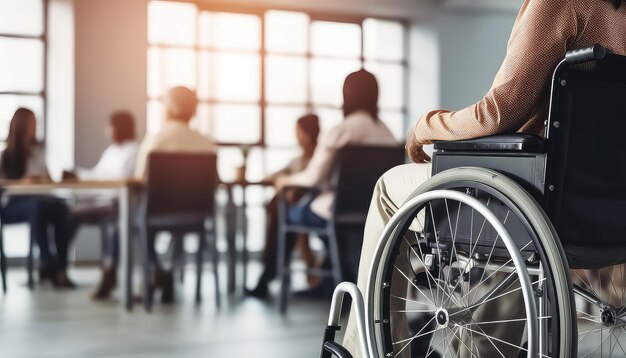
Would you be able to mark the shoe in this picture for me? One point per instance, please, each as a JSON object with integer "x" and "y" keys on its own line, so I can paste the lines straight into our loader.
{"x": 108, "y": 282}
{"x": 60, "y": 280}
{"x": 46, "y": 273}
{"x": 261, "y": 291}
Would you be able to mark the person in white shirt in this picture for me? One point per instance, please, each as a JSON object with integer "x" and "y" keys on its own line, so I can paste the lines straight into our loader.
{"x": 23, "y": 159}
{"x": 361, "y": 126}
{"x": 174, "y": 136}
{"x": 117, "y": 162}
{"x": 307, "y": 132}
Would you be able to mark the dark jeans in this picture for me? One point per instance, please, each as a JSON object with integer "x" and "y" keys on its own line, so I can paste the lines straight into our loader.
{"x": 104, "y": 215}
{"x": 299, "y": 213}
{"x": 41, "y": 212}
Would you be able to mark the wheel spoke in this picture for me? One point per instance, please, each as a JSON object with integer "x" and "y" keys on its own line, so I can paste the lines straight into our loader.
{"x": 417, "y": 335}
{"x": 414, "y": 285}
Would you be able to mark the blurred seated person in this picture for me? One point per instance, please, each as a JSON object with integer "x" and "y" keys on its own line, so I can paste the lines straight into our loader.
{"x": 117, "y": 162}
{"x": 23, "y": 160}
{"x": 175, "y": 136}
{"x": 361, "y": 126}
{"x": 307, "y": 131}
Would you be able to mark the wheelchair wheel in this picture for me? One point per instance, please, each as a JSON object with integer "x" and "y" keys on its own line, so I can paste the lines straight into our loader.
{"x": 601, "y": 309}
{"x": 470, "y": 267}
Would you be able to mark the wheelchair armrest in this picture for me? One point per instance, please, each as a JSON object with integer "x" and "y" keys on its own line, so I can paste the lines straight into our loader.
{"x": 524, "y": 143}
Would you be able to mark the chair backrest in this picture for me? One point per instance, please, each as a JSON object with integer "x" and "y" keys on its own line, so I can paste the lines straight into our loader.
{"x": 586, "y": 169}
{"x": 181, "y": 183}
{"x": 355, "y": 173}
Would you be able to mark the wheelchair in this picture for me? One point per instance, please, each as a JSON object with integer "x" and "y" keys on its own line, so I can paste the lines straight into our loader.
{"x": 515, "y": 247}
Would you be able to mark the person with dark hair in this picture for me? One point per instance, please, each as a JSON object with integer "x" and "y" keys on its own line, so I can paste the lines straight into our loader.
{"x": 117, "y": 162}
{"x": 23, "y": 159}
{"x": 175, "y": 136}
{"x": 518, "y": 101}
{"x": 361, "y": 126}
{"x": 307, "y": 132}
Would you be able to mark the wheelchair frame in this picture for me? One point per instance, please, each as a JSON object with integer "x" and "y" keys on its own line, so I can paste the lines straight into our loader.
{"x": 542, "y": 185}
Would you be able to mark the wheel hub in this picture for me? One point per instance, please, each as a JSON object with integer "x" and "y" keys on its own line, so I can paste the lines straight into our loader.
{"x": 442, "y": 318}
{"x": 609, "y": 317}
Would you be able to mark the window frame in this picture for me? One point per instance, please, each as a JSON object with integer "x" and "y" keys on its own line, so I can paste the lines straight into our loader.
{"x": 43, "y": 37}
{"x": 263, "y": 53}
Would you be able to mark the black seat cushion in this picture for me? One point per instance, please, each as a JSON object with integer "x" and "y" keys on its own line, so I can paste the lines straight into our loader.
{"x": 526, "y": 143}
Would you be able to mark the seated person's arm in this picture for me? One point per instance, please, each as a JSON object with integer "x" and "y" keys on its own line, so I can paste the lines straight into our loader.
{"x": 540, "y": 39}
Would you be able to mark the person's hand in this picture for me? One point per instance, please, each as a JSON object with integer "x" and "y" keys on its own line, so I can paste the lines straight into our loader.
{"x": 415, "y": 149}
{"x": 280, "y": 182}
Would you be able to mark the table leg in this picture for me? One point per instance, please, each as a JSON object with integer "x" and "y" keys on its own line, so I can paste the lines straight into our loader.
{"x": 231, "y": 236}
{"x": 244, "y": 237}
{"x": 126, "y": 247}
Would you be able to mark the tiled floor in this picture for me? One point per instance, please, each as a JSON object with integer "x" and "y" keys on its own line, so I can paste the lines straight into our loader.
{"x": 46, "y": 323}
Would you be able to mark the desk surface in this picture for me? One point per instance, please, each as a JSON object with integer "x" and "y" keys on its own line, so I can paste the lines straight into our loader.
{"x": 11, "y": 186}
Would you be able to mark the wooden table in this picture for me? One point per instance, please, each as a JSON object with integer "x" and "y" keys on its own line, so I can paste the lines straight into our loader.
{"x": 126, "y": 192}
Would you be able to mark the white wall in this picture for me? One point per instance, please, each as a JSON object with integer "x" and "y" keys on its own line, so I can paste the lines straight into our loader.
{"x": 472, "y": 46}
{"x": 110, "y": 71}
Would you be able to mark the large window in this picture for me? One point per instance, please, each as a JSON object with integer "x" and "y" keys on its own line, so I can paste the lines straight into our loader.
{"x": 22, "y": 60}
{"x": 257, "y": 72}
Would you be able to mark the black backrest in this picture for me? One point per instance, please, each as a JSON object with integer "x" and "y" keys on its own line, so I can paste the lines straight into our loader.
{"x": 181, "y": 183}
{"x": 587, "y": 159}
{"x": 355, "y": 173}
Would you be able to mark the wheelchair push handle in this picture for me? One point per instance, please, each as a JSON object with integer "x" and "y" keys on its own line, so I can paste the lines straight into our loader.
{"x": 587, "y": 54}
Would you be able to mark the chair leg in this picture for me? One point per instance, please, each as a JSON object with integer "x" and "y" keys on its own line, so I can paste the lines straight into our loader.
{"x": 282, "y": 267}
{"x": 215, "y": 257}
{"x": 335, "y": 258}
{"x": 199, "y": 264}
{"x": 147, "y": 277}
{"x": 30, "y": 263}
{"x": 3, "y": 263}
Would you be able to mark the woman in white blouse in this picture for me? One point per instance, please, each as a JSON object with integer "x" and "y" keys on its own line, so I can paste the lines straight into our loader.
{"x": 23, "y": 159}
{"x": 361, "y": 126}
{"x": 117, "y": 162}
{"x": 307, "y": 132}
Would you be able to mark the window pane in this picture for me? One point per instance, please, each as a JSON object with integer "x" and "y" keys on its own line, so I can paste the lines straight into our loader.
{"x": 395, "y": 122}
{"x": 254, "y": 166}
{"x": 230, "y": 31}
{"x": 168, "y": 68}
{"x": 336, "y": 39}
{"x": 10, "y": 103}
{"x": 237, "y": 124}
{"x": 21, "y": 17}
{"x": 202, "y": 121}
{"x": 156, "y": 116}
{"x": 384, "y": 40}
{"x": 286, "y": 31}
{"x": 327, "y": 78}
{"x": 205, "y": 84}
{"x": 276, "y": 159}
{"x": 286, "y": 79}
{"x": 21, "y": 65}
{"x": 329, "y": 118}
{"x": 391, "y": 83}
{"x": 228, "y": 160}
{"x": 171, "y": 23}
{"x": 280, "y": 125}
{"x": 237, "y": 77}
